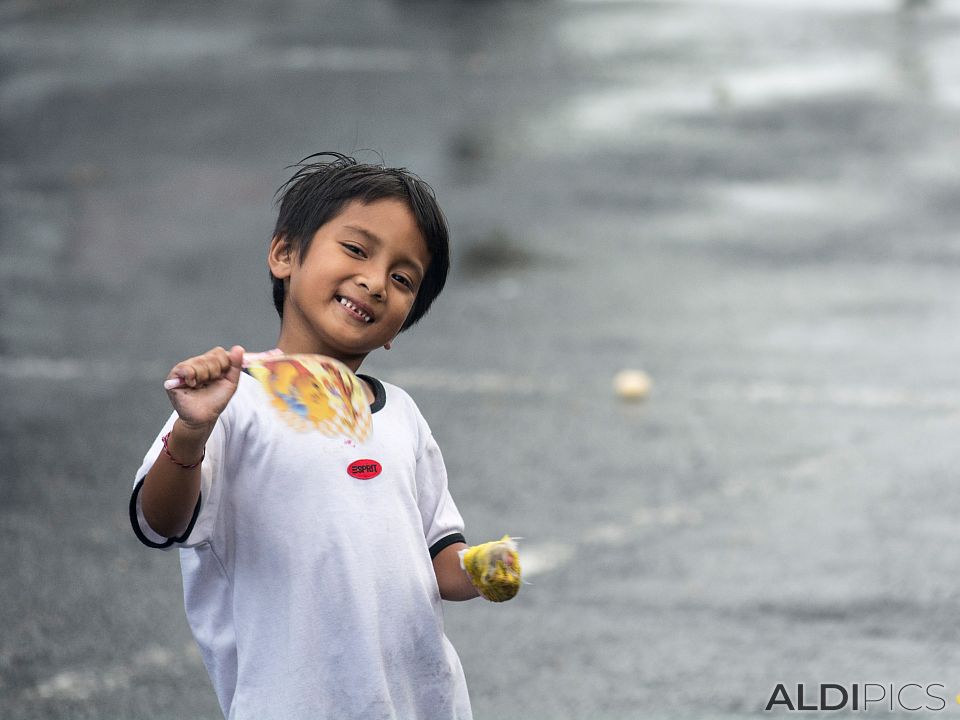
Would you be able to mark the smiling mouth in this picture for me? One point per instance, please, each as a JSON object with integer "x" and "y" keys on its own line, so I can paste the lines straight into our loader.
{"x": 358, "y": 312}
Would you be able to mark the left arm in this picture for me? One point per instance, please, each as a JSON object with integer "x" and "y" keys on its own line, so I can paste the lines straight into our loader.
{"x": 452, "y": 579}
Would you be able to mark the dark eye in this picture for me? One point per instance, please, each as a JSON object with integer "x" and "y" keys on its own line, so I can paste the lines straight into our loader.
{"x": 404, "y": 280}
{"x": 354, "y": 249}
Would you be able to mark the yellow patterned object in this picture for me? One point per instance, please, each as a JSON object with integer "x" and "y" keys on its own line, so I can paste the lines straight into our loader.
{"x": 314, "y": 392}
{"x": 494, "y": 568}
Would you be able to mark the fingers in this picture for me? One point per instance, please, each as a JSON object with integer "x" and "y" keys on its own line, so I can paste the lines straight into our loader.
{"x": 203, "y": 369}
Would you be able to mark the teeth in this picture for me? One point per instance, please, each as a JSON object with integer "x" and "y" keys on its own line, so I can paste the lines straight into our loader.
{"x": 353, "y": 308}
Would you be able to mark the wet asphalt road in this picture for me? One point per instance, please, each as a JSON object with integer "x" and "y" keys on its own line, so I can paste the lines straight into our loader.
{"x": 754, "y": 201}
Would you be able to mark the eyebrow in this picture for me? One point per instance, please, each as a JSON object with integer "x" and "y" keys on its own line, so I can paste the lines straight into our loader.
{"x": 377, "y": 240}
{"x": 372, "y": 237}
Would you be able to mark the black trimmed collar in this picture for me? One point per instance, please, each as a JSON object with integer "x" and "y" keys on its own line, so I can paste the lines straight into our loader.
{"x": 379, "y": 392}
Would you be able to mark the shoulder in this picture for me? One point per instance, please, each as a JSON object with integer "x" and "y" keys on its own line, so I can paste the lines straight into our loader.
{"x": 397, "y": 394}
{"x": 401, "y": 400}
{"x": 400, "y": 411}
{"x": 387, "y": 395}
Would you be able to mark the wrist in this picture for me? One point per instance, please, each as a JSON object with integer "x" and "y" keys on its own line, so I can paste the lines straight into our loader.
{"x": 187, "y": 442}
{"x": 188, "y": 432}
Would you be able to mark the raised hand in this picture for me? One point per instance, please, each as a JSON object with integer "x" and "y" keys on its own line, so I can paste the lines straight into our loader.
{"x": 206, "y": 384}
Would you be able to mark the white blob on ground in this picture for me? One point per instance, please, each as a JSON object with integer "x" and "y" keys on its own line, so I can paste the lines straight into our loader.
{"x": 632, "y": 384}
{"x": 82, "y": 684}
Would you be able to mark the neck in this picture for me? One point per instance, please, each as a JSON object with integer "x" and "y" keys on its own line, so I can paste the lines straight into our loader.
{"x": 294, "y": 345}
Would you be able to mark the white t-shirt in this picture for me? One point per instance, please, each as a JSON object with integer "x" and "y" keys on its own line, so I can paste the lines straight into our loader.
{"x": 311, "y": 591}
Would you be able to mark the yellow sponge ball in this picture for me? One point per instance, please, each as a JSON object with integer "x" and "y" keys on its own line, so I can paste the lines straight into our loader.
{"x": 494, "y": 568}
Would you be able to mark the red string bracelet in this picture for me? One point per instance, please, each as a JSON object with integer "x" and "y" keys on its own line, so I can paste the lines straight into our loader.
{"x": 166, "y": 450}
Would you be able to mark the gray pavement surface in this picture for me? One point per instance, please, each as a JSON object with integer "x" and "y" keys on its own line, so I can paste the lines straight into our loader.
{"x": 754, "y": 201}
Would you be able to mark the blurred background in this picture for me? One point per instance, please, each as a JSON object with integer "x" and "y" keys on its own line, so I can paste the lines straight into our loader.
{"x": 753, "y": 201}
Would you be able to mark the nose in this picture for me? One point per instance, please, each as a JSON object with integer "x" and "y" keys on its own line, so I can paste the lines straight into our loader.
{"x": 374, "y": 285}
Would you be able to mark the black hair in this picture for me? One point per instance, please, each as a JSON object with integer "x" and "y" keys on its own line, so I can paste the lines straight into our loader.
{"x": 318, "y": 191}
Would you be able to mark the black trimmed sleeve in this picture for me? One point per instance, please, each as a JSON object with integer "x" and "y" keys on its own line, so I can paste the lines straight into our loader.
{"x": 446, "y": 542}
{"x": 138, "y": 530}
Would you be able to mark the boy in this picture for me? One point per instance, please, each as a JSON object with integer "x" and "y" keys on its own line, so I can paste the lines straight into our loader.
{"x": 311, "y": 593}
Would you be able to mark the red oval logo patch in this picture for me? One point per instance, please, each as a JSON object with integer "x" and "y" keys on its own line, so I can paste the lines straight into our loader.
{"x": 364, "y": 469}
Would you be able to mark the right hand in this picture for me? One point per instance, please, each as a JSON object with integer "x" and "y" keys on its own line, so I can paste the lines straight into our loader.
{"x": 494, "y": 568}
{"x": 209, "y": 381}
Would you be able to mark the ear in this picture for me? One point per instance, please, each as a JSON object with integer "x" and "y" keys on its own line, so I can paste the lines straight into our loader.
{"x": 280, "y": 257}
{"x": 388, "y": 345}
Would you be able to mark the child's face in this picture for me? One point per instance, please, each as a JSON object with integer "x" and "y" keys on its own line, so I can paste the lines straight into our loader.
{"x": 356, "y": 285}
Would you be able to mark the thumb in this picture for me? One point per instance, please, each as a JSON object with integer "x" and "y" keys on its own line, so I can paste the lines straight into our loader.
{"x": 236, "y": 363}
